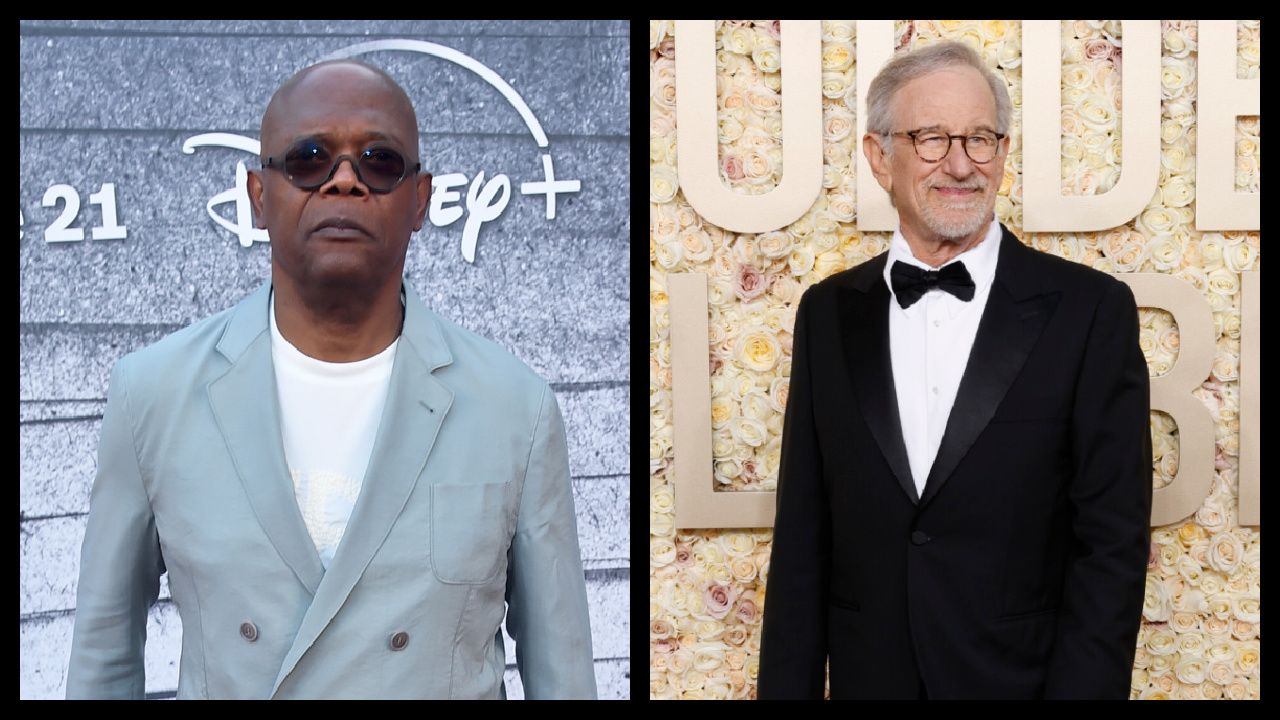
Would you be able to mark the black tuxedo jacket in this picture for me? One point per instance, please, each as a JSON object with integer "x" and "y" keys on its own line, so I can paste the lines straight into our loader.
{"x": 1021, "y": 571}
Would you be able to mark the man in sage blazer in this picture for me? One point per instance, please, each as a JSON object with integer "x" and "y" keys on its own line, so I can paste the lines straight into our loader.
{"x": 343, "y": 486}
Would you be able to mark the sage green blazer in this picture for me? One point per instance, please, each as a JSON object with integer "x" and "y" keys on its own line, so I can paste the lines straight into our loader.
{"x": 466, "y": 505}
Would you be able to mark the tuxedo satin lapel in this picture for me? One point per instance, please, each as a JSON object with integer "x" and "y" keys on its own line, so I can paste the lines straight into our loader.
{"x": 864, "y": 326}
{"x": 245, "y": 406}
{"x": 1008, "y": 330}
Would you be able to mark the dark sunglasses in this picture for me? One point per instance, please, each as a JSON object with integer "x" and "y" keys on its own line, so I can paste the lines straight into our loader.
{"x": 308, "y": 164}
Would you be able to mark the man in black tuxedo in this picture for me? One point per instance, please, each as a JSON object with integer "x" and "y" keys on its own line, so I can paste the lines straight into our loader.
{"x": 964, "y": 499}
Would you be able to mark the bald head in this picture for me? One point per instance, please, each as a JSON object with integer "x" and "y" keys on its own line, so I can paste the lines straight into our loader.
{"x": 324, "y": 79}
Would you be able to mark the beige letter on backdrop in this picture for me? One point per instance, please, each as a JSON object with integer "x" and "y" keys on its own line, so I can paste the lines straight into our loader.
{"x": 1044, "y": 208}
{"x": 1223, "y": 96}
{"x": 1250, "y": 373}
{"x": 1172, "y": 391}
{"x": 875, "y": 48}
{"x": 698, "y": 505}
{"x": 696, "y": 130}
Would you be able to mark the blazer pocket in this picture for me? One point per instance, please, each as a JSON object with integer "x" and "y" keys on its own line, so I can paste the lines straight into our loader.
{"x": 469, "y": 535}
{"x": 998, "y": 420}
{"x": 1027, "y": 615}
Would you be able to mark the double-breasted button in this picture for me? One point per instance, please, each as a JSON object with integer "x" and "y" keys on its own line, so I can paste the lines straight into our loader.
{"x": 248, "y": 631}
{"x": 919, "y": 538}
{"x": 399, "y": 640}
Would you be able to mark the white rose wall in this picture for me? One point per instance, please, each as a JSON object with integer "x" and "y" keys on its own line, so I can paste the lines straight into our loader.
{"x": 1200, "y": 627}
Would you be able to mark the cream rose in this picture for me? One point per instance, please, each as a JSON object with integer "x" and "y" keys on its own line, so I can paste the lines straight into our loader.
{"x": 1225, "y": 551}
{"x": 1077, "y": 75}
{"x": 743, "y": 570}
{"x": 748, "y": 431}
{"x": 775, "y": 244}
{"x": 663, "y": 183}
{"x": 768, "y": 59}
{"x": 1010, "y": 55}
{"x": 669, "y": 255}
{"x": 1247, "y": 658}
{"x": 1155, "y": 604}
{"x": 1130, "y": 257}
{"x": 1177, "y": 192}
{"x": 1157, "y": 220}
{"x": 740, "y": 40}
{"x": 837, "y": 124}
{"x": 1177, "y": 157}
{"x": 785, "y": 289}
{"x": 1190, "y": 671}
{"x": 801, "y": 261}
{"x": 737, "y": 545}
{"x": 837, "y": 56}
{"x": 841, "y": 207}
{"x": 757, "y": 349}
{"x": 661, "y": 552}
{"x": 1175, "y": 75}
{"x": 756, "y": 406}
{"x": 1246, "y": 608}
{"x": 1224, "y": 282}
{"x": 1240, "y": 257}
{"x": 661, "y": 499}
{"x": 659, "y": 29}
{"x": 763, "y": 100}
{"x": 834, "y": 85}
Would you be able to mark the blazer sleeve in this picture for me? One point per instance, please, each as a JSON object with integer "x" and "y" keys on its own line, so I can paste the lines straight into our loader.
{"x": 546, "y": 589}
{"x": 793, "y": 645}
{"x": 120, "y": 564}
{"x": 1110, "y": 502}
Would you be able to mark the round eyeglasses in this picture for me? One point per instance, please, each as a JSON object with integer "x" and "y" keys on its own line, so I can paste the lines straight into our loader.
{"x": 932, "y": 146}
{"x": 308, "y": 164}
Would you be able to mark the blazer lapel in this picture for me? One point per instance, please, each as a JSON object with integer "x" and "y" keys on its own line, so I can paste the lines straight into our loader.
{"x": 417, "y": 404}
{"x": 245, "y": 406}
{"x": 1016, "y": 313}
{"x": 864, "y": 327}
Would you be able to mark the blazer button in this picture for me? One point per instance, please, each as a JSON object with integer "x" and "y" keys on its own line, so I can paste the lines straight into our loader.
{"x": 399, "y": 640}
{"x": 919, "y": 538}
{"x": 248, "y": 631}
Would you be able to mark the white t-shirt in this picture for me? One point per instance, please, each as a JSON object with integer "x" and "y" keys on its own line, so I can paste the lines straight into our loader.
{"x": 929, "y": 345}
{"x": 329, "y": 413}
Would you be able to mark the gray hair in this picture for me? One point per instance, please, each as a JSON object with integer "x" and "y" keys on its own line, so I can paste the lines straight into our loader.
{"x": 910, "y": 65}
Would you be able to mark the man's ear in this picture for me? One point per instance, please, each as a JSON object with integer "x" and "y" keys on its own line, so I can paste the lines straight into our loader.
{"x": 423, "y": 190}
{"x": 254, "y": 186}
{"x": 878, "y": 161}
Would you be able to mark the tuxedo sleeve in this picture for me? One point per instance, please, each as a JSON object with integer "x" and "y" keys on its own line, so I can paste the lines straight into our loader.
{"x": 1110, "y": 501}
{"x": 793, "y": 648}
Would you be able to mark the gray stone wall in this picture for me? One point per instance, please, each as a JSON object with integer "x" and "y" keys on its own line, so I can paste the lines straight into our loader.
{"x": 114, "y": 102}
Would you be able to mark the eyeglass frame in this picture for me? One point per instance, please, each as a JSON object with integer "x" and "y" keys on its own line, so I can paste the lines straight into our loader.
{"x": 355, "y": 166}
{"x": 950, "y": 138}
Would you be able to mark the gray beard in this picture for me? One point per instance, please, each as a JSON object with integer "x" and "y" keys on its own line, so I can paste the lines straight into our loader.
{"x": 955, "y": 229}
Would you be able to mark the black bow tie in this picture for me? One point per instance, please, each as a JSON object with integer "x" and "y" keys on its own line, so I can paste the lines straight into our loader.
{"x": 910, "y": 283}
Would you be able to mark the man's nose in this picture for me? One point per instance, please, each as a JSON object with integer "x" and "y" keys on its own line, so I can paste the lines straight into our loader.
{"x": 345, "y": 179}
{"x": 956, "y": 162}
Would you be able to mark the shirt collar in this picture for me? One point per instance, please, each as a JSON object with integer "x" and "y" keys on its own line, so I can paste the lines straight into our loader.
{"x": 979, "y": 260}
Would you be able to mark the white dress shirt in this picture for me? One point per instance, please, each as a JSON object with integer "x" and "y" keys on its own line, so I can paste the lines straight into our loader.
{"x": 929, "y": 346}
{"x": 329, "y": 415}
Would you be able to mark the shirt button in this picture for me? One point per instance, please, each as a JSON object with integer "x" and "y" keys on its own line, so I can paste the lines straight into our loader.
{"x": 937, "y": 323}
{"x": 935, "y": 391}
{"x": 248, "y": 631}
{"x": 399, "y": 640}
